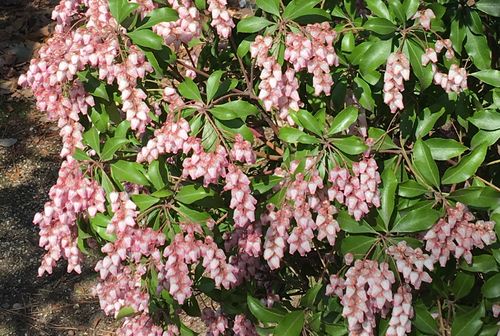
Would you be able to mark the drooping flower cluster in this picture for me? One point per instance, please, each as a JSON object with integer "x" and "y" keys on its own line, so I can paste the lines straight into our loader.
{"x": 411, "y": 262}
{"x": 221, "y": 19}
{"x": 242, "y": 150}
{"x": 314, "y": 50}
{"x": 456, "y": 233}
{"x": 396, "y": 72}
{"x": 186, "y": 249}
{"x": 424, "y": 17}
{"x": 357, "y": 191}
{"x": 209, "y": 165}
{"x": 71, "y": 196}
{"x": 402, "y": 313}
{"x": 367, "y": 293}
{"x": 215, "y": 321}
{"x": 242, "y": 200}
{"x": 142, "y": 325}
{"x": 243, "y": 326}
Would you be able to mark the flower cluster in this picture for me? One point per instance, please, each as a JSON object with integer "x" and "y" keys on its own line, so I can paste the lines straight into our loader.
{"x": 411, "y": 262}
{"x": 142, "y": 325}
{"x": 457, "y": 234}
{"x": 221, "y": 19}
{"x": 215, "y": 321}
{"x": 71, "y": 196}
{"x": 402, "y": 313}
{"x": 243, "y": 326}
{"x": 424, "y": 17}
{"x": 242, "y": 200}
{"x": 357, "y": 191}
{"x": 396, "y": 72}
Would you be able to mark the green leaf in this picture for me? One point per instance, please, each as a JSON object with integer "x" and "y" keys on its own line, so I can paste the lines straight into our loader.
{"x": 111, "y": 146}
{"x": 191, "y": 193}
{"x": 122, "y": 128}
{"x": 359, "y": 51}
{"x": 344, "y": 120}
{"x": 233, "y": 110}
{"x": 444, "y": 149}
{"x": 376, "y": 55}
{"x": 490, "y": 76}
{"x": 424, "y": 320}
{"x": 364, "y": 94}
{"x": 193, "y": 215}
{"x": 262, "y": 313}
{"x": 348, "y": 42}
{"x": 158, "y": 15}
{"x": 100, "y": 120}
{"x": 467, "y": 166}
{"x": 380, "y": 26}
{"x": 309, "y": 122}
{"x": 491, "y": 288}
{"x": 410, "y": 7}
{"x": 383, "y": 140}
{"x": 411, "y": 188}
{"x": 297, "y": 8}
{"x": 397, "y": 8}
{"x": 213, "y": 84}
{"x": 144, "y": 201}
{"x": 156, "y": 174}
{"x": 189, "y": 90}
{"x": 486, "y": 119}
{"x": 417, "y": 220}
{"x": 262, "y": 184}
{"x": 129, "y": 171}
{"x": 291, "y": 324}
{"x": 348, "y": 224}
{"x": 423, "y": 73}
{"x": 468, "y": 324}
{"x": 485, "y": 137}
{"x": 387, "y": 194}
{"x": 310, "y": 297}
{"x": 146, "y": 38}
{"x": 121, "y": 9}
{"x": 293, "y": 135}
{"x": 80, "y": 155}
{"x": 424, "y": 164}
{"x": 378, "y": 8}
{"x": 253, "y": 24}
{"x": 429, "y": 118}
{"x": 491, "y": 7}
{"x": 457, "y": 34}
{"x": 477, "y": 48}
{"x": 335, "y": 329}
{"x": 125, "y": 312}
{"x": 91, "y": 137}
{"x": 357, "y": 245}
{"x": 483, "y": 263}
{"x": 478, "y": 197}
{"x": 269, "y": 6}
{"x": 351, "y": 145}
{"x": 463, "y": 284}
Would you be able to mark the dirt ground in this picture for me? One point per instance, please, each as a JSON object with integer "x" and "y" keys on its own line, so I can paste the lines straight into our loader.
{"x": 59, "y": 304}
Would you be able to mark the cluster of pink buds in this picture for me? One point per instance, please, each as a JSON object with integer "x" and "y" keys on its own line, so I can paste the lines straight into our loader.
{"x": 221, "y": 19}
{"x": 276, "y": 235}
{"x": 185, "y": 29}
{"x": 457, "y": 234}
{"x": 335, "y": 286}
{"x": 142, "y": 325}
{"x": 72, "y": 194}
{"x": 187, "y": 249}
{"x": 243, "y": 326}
{"x": 402, "y": 313}
{"x": 424, "y": 17}
{"x": 359, "y": 191}
{"x": 170, "y": 138}
{"x": 410, "y": 262}
{"x": 277, "y": 90}
{"x": 367, "y": 293}
{"x": 215, "y": 321}
{"x": 242, "y": 150}
{"x": 314, "y": 51}
{"x": 173, "y": 99}
{"x": 242, "y": 200}
{"x": 396, "y": 72}
{"x": 209, "y": 165}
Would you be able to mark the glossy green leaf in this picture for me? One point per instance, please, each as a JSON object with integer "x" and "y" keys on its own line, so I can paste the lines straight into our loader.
{"x": 125, "y": 312}
{"x": 483, "y": 263}
{"x": 146, "y": 38}
{"x": 235, "y": 109}
{"x": 424, "y": 164}
{"x": 388, "y": 194}
{"x": 491, "y": 288}
{"x": 444, "y": 149}
{"x": 309, "y": 122}
{"x": 293, "y": 135}
{"x": 485, "y": 137}
{"x": 376, "y": 55}
{"x": 380, "y": 26}
{"x": 262, "y": 313}
{"x": 415, "y": 52}
{"x": 121, "y": 9}
{"x": 364, "y": 94}
{"x": 467, "y": 166}
{"x": 309, "y": 298}
{"x": 358, "y": 245}
{"x": 297, "y": 8}
{"x": 477, "y": 48}
{"x": 486, "y": 119}
{"x": 491, "y": 7}
{"x": 427, "y": 119}
{"x": 144, "y": 201}
{"x": 213, "y": 84}
{"x": 396, "y": 7}
{"x": 417, "y": 220}
{"x": 158, "y": 15}
{"x": 350, "y": 145}
{"x": 343, "y": 120}
{"x": 348, "y": 224}
{"x": 188, "y": 89}
{"x": 410, "y": 7}
{"x": 253, "y": 24}
{"x": 411, "y": 188}
{"x": 269, "y": 6}
{"x": 291, "y": 324}
{"x": 91, "y": 137}
{"x": 424, "y": 321}
{"x": 262, "y": 184}
{"x": 348, "y": 42}
{"x": 80, "y": 155}
{"x": 191, "y": 193}
{"x": 463, "y": 284}
{"x": 469, "y": 323}
{"x": 129, "y": 172}
{"x": 457, "y": 34}
{"x": 382, "y": 140}
{"x": 490, "y": 76}
{"x": 478, "y": 197}
{"x": 111, "y": 146}
{"x": 378, "y": 8}
{"x": 156, "y": 174}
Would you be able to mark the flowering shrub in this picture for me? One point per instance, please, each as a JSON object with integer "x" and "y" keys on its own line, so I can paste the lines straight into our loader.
{"x": 321, "y": 167}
